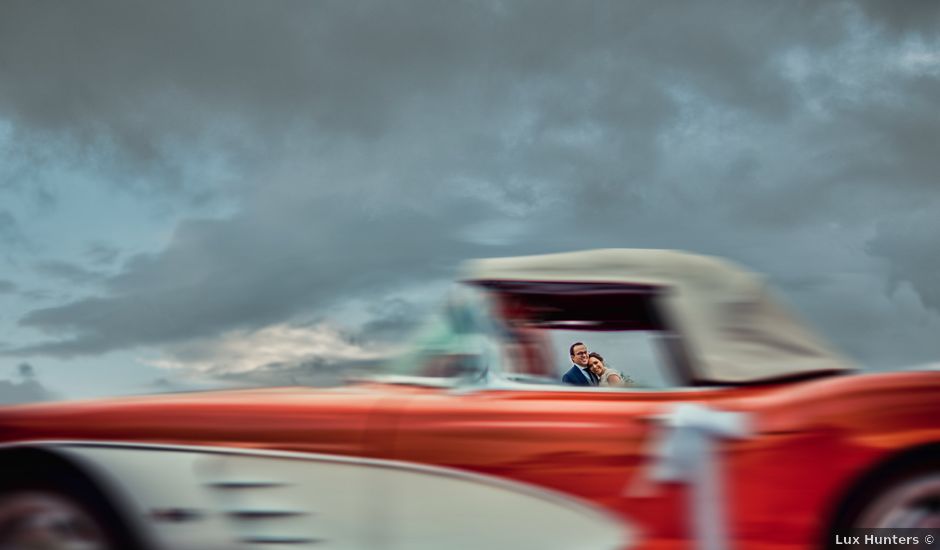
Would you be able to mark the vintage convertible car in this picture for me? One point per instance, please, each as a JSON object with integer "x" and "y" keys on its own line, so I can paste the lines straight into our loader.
{"x": 756, "y": 436}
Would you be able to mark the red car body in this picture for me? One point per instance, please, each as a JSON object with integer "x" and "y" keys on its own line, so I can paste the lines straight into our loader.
{"x": 819, "y": 448}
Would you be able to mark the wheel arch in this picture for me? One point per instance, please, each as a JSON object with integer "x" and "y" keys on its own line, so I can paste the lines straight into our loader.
{"x": 871, "y": 479}
{"x": 23, "y": 465}
{"x": 37, "y": 457}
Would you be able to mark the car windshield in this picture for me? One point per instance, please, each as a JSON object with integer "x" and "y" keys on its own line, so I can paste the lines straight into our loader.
{"x": 457, "y": 344}
{"x": 520, "y": 333}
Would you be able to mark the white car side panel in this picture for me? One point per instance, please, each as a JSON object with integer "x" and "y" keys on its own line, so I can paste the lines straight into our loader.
{"x": 210, "y": 498}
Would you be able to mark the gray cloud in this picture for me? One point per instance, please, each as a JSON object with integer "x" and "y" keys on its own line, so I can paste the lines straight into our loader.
{"x": 25, "y": 390}
{"x": 393, "y": 319}
{"x": 370, "y": 149}
{"x": 10, "y": 232}
{"x": 909, "y": 246}
{"x": 36, "y": 295}
{"x": 26, "y": 371}
{"x": 164, "y": 384}
{"x": 315, "y": 372}
{"x": 68, "y": 272}
{"x": 102, "y": 254}
{"x": 147, "y": 90}
{"x": 7, "y": 287}
{"x": 917, "y": 17}
{"x": 173, "y": 385}
{"x": 221, "y": 275}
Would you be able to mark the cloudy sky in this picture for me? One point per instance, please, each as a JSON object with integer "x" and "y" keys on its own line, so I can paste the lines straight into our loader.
{"x": 220, "y": 190}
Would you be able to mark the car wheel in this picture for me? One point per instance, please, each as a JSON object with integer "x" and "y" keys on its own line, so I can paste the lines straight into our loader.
{"x": 903, "y": 494}
{"x": 34, "y": 519}
{"x": 913, "y": 501}
{"x": 49, "y": 504}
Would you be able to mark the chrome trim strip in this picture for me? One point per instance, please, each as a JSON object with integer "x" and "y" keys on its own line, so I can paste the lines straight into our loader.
{"x": 279, "y": 540}
{"x": 238, "y": 485}
{"x": 265, "y": 514}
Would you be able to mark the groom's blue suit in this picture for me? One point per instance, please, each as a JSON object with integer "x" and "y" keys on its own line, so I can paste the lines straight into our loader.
{"x": 576, "y": 377}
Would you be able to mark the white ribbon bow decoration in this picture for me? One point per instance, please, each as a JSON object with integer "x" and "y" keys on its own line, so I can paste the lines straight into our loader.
{"x": 685, "y": 453}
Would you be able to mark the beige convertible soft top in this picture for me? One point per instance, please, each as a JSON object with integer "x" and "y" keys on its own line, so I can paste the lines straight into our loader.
{"x": 733, "y": 329}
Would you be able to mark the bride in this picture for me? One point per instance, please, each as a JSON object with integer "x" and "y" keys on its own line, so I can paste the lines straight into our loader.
{"x": 606, "y": 376}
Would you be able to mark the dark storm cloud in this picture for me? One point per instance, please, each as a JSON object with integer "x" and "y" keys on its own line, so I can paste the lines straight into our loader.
{"x": 917, "y": 16}
{"x": 221, "y": 275}
{"x": 884, "y": 140}
{"x": 371, "y": 147}
{"x": 140, "y": 87}
{"x": 523, "y": 83}
{"x": 142, "y": 84}
{"x": 68, "y": 272}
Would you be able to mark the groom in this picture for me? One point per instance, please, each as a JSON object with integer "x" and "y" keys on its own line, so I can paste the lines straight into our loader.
{"x": 579, "y": 374}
